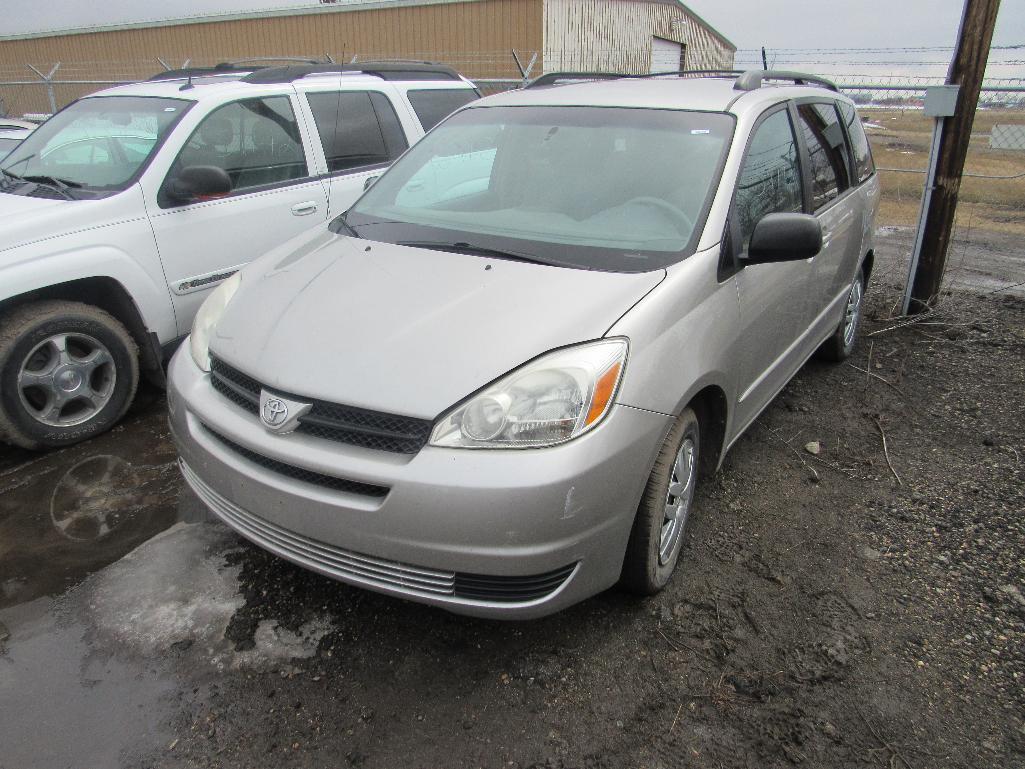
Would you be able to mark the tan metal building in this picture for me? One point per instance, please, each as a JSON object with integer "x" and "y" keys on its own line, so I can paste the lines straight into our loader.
{"x": 477, "y": 37}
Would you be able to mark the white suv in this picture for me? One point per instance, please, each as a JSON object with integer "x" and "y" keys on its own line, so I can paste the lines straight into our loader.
{"x": 122, "y": 212}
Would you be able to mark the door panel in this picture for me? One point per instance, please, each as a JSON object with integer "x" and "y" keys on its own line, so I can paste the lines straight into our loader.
{"x": 837, "y": 208}
{"x": 774, "y": 309}
{"x": 274, "y": 198}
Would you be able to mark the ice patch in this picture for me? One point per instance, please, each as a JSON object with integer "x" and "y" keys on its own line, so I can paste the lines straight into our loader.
{"x": 175, "y": 587}
{"x": 276, "y": 644}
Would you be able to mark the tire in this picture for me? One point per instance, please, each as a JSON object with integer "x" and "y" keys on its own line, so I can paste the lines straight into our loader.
{"x": 653, "y": 550}
{"x": 68, "y": 371}
{"x": 841, "y": 343}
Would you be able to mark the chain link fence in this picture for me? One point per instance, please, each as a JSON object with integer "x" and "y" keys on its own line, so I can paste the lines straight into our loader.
{"x": 990, "y": 222}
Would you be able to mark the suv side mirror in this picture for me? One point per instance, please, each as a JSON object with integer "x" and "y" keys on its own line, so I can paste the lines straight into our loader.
{"x": 784, "y": 238}
{"x": 198, "y": 182}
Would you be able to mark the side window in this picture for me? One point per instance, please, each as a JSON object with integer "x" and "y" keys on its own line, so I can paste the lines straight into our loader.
{"x": 863, "y": 165}
{"x": 357, "y": 129}
{"x": 770, "y": 178}
{"x": 255, "y": 140}
{"x": 827, "y": 151}
{"x": 433, "y": 106}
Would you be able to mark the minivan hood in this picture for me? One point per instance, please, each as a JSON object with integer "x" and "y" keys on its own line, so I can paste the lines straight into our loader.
{"x": 405, "y": 330}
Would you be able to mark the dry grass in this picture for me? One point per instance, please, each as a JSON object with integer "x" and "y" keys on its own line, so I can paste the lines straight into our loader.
{"x": 903, "y": 142}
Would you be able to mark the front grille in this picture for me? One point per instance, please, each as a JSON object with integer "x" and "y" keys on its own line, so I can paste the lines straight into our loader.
{"x": 352, "y": 566}
{"x": 330, "y": 421}
{"x": 519, "y": 589}
{"x": 300, "y": 473}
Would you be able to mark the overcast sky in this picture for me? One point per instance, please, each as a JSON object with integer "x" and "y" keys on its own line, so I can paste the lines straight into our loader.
{"x": 850, "y": 24}
{"x": 777, "y": 24}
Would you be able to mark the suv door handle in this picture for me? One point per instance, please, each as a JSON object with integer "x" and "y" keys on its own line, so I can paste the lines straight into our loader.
{"x": 302, "y": 209}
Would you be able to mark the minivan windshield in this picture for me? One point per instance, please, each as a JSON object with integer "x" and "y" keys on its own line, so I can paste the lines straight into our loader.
{"x": 619, "y": 189}
{"x": 94, "y": 147}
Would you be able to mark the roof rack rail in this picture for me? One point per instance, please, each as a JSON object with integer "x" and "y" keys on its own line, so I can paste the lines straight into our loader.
{"x": 386, "y": 70}
{"x": 698, "y": 72}
{"x": 753, "y": 78}
{"x": 223, "y": 68}
{"x": 555, "y": 78}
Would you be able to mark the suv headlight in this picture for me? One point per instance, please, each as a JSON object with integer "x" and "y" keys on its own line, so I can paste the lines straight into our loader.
{"x": 550, "y": 400}
{"x": 206, "y": 319}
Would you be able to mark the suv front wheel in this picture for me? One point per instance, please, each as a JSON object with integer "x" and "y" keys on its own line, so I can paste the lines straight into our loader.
{"x": 68, "y": 371}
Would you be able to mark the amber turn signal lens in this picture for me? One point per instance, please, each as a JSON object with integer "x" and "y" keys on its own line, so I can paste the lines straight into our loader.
{"x": 603, "y": 392}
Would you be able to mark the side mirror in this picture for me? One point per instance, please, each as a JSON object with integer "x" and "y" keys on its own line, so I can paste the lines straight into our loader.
{"x": 197, "y": 183}
{"x": 784, "y": 238}
{"x": 370, "y": 182}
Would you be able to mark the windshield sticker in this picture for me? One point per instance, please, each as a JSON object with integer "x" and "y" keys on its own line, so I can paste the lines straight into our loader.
{"x": 170, "y": 109}
{"x": 700, "y": 131}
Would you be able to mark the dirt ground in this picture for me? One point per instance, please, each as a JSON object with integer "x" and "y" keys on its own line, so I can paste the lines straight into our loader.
{"x": 862, "y": 606}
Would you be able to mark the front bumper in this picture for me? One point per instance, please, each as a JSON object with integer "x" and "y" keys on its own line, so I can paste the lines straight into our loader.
{"x": 494, "y": 533}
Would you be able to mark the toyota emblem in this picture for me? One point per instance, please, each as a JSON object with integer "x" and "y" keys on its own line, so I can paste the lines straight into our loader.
{"x": 275, "y": 411}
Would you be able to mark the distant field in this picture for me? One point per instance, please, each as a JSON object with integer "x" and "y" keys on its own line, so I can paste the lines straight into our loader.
{"x": 900, "y": 139}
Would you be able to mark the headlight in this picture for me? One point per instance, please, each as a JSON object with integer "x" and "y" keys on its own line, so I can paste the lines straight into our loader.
{"x": 206, "y": 319}
{"x": 550, "y": 400}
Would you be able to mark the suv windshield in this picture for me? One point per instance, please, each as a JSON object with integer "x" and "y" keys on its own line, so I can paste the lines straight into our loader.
{"x": 604, "y": 188}
{"x": 94, "y": 147}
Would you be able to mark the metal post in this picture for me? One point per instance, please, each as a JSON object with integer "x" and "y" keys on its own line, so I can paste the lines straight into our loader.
{"x": 930, "y": 185}
{"x": 48, "y": 79}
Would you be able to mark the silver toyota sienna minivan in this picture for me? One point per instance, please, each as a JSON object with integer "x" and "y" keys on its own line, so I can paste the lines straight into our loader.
{"x": 494, "y": 382}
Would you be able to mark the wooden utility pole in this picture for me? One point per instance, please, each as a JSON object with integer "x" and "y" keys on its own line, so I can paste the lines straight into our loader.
{"x": 966, "y": 70}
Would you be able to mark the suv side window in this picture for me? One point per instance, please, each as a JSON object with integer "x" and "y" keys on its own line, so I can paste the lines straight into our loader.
{"x": 770, "y": 178}
{"x": 256, "y": 141}
{"x": 827, "y": 151}
{"x": 864, "y": 167}
{"x": 358, "y": 129}
{"x": 433, "y": 106}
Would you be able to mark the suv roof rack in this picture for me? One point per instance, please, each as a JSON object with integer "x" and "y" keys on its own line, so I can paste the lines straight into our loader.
{"x": 223, "y": 68}
{"x": 753, "y": 78}
{"x": 386, "y": 70}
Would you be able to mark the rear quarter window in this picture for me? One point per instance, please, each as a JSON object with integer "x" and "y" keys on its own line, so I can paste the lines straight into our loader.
{"x": 864, "y": 167}
{"x": 434, "y": 105}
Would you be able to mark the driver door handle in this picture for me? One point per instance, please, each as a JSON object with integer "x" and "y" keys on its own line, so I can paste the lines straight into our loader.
{"x": 303, "y": 209}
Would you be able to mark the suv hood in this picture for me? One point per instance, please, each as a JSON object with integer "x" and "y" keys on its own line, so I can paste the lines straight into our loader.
{"x": 25, "y": 219}
{"x": 406, "y": 330}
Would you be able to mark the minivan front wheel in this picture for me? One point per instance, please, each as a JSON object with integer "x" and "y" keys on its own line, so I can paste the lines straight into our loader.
{"x": 658, "y": 531}
{"x": 68, "y": 371}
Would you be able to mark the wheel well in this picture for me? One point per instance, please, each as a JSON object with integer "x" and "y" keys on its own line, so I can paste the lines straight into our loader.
{"x": 866, "y": 265}
{"x": 710, "y": 407}
{"x": 108, "y": 295}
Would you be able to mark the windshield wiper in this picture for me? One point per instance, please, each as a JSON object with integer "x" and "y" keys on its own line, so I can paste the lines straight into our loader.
{"x": 339, "y": 225}
{"x": 62, "y": 186}
{"x": 462, "y": 247}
